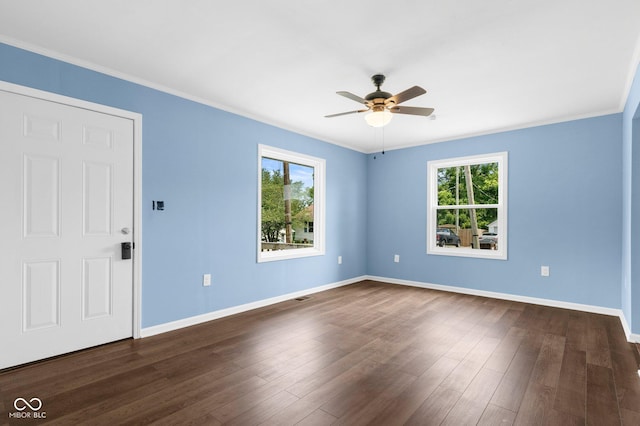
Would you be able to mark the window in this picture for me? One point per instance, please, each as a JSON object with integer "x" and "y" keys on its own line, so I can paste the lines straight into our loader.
{"x": 467, "y": 206}
{"x": 308, "y": 226}
{"x": 291, "y": 205}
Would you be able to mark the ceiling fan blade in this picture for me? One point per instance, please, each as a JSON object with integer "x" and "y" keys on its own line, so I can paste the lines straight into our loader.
{"x": 412, "y": 110}
{"x": 352, "y": 97}
{"x": 345, "y": 113}
{"x": 407, "y": 94}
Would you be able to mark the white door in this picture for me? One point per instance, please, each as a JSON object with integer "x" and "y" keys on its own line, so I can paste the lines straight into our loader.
{"x": 66, "y": 204}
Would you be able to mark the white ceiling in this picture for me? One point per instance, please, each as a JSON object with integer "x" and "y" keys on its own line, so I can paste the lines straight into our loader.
{"x": 487, "y": 65}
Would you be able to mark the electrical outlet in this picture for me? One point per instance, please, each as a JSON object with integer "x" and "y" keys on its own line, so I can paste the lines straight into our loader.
{"x": 396, "y": 258}
{"x": 544, "y": 271}
{"x": 339, "y": 260}
{"x": 206, "y": 280}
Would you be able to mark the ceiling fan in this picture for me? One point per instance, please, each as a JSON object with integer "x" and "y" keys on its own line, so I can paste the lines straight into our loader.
{"x": 383, "y": 104}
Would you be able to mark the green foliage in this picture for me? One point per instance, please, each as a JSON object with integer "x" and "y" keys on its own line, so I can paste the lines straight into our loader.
{"x": 273, "y": 210}
{"x": 272, "y": 204}
{"x": 452, "y": 186}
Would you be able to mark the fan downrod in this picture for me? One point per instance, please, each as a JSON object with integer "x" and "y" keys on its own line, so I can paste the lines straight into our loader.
{"x": 377, "y": 80}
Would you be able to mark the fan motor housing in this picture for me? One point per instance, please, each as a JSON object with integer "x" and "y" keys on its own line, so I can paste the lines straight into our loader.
{"x": 378, "y": 94}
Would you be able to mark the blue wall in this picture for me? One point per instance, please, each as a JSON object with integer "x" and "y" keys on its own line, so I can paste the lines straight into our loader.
{"x": 570, "y": 186}
{"x": 564, "y": 207}
{"x": 631, "y": 207}
{"x": 203, "y": 163}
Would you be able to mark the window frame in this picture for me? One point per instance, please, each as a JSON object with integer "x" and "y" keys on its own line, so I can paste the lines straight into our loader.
{"x": 432, "y": 205}
{"x": 319, "y": 166}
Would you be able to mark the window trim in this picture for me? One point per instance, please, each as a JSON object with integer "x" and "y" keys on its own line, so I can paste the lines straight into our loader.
{"x": 432, "y": 205}
{"x": 319, "y": 165}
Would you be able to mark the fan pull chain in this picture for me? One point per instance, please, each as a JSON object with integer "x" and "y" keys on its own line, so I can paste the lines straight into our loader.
{"x": 375, "y": 133}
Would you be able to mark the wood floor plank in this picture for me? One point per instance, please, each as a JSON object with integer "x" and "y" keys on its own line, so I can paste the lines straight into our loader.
{"x": 264, "y": 410}
{"x": 355, "y": 396}
{"x": 627, "y": 383}
{"x": 207, "y": 389}
{"x": 557, "y": 322}
{"x": 298, "y": 412}
{"x": 504, "y": 324}
{"x": 602, "y": 405}
{"x": 577, "y": 331}
{"x": 549, "y": 363}
{"x": 370, "y": 412}
{"x": 340, "y": 384}
{"x": 420, "y": 362}
{"x": 514, "y": 384}
{"x": 540, "y": 395}
{"x": 336, "y": 369}
{"x": 367, "y": 353}
{"x": 597, "y": 342}
{"x": 501, "y": 357}
{"x": 317, "y": 418}
{"x": 403, "y": 407}
{"x": 556, "y": 417}
{"x": 108, "y": 393}
{"x": 435, "y": 408}
{"x": 496, "y": 416}
{"x": 630, "y": 417}
{"x": 571, "y": 395}
{"x": 473, "y": 402}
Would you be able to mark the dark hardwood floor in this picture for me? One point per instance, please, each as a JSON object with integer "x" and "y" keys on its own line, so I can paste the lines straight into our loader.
{"x": 368, "y": 353}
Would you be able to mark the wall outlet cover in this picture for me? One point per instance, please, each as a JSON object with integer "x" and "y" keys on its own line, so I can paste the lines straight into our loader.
{"x": 544, "y": 271}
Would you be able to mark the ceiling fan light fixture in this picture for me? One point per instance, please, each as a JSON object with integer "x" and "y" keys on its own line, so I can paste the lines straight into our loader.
{"x": 381, "y": 105}
{"x": 378, "y": 118}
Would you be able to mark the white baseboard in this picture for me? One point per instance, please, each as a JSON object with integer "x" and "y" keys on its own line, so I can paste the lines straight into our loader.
{"x": 627, "y": 329}
{"x": 198, "y": 319}
{"x": 516, "y": 298}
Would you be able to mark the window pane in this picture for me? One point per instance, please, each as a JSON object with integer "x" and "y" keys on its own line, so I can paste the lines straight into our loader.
{"x": 287, "y": 205}
{"x": 458, "y": 227}
{"x": 453, "y": 189}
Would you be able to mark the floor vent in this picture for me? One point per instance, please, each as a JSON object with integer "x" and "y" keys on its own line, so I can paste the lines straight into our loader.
{"x": 300, "y": 299}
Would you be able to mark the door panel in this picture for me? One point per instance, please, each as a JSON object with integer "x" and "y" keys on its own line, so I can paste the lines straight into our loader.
{"x": 66, "y": 175}
{"x": 41, "y": 194}
{"x": 41, "y": 294}
{"x": 97, "y": 195}
{"x": 97, "y": 287}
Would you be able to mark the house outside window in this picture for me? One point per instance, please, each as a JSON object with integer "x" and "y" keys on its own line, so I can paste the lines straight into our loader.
{"x": 291, "y": 204}
{"x": 467, "y": 206}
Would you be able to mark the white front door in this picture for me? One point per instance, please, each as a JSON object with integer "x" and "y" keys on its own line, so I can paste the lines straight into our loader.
{"x": 66, "y": 197}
